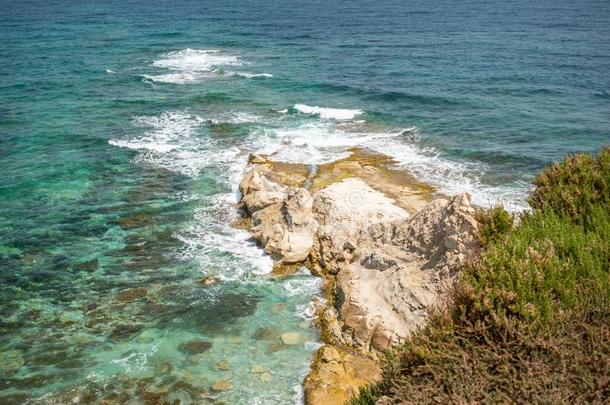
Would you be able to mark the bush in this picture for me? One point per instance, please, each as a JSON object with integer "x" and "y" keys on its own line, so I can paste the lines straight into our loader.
{"x": 574, "y": 186}
{"x": 529, "y": 319}
{"x": 494, "y": 224}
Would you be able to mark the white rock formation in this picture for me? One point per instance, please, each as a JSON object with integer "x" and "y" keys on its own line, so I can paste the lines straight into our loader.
{"x": 390, "y": 267}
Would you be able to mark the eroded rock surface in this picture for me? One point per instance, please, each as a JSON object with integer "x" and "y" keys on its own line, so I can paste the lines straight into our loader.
{"x": 389, "y": 262}
{"x": 399, "y": 270}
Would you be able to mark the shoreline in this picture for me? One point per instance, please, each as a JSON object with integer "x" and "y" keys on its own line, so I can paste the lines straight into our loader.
{"x": 317, "y": 217}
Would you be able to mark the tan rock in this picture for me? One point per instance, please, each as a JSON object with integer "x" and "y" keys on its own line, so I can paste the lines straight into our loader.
{"x": 336, "y": 376}
{"x": 343, "y": 210}
{"x": 222, "y": 385}
{"x": 266, "y": 377}
{"x": 392, "y": 253}
{"x": 291, "y": 338}
{"x": 209, "y": 280}
{"x": 257, "y": 158}
{"x": 223, "y": 365}
{"x": 257, "y": 369}
{"x": 287, "y": 229}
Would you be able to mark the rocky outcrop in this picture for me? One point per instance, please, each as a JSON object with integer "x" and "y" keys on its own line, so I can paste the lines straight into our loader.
{"x": 282, "y": 218}
{"x": 388, "y": 261}
{"x": 398, "y": 271}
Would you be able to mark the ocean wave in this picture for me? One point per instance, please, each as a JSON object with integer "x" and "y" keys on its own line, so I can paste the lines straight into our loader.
{"x": 191, "y": 65}
{"x": 196, "y": 60}
{"x": 328, "y": 113}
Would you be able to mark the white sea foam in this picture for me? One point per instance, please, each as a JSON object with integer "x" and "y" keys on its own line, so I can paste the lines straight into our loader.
{"x": 328, "y": 113}
{"x": 166, "y": 132}
{"x": 172, "y": 140}
{"x": 322, "y": 142}
{"x": 214, "y": 243}
{"x": 196, "y": 60}
{"x": 192, "y": 65}
{"x": 178, "y": 78}
{"x": 249, "y": 75}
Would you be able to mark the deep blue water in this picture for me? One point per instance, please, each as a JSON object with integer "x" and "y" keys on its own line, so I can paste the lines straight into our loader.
{"x": 125, "y": 126}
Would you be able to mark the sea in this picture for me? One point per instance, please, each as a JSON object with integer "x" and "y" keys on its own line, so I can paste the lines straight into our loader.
{"x": 125, "y": 127}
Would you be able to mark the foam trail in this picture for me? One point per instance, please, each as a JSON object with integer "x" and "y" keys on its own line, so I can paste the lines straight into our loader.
{"x": 328, "y": 113}
{"x": 249, "y": 75}
{"x": 178, "y": 78}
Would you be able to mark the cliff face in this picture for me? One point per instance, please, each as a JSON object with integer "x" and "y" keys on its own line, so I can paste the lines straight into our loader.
{"x": 388, "y": 256}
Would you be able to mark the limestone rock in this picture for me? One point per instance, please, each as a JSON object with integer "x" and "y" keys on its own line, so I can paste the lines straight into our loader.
{"x": 404, "y": 267}
{"x": 287, "y": 229}
{"x": 336, "y": 376}
{"x": 257, "y": 158}
{"x": 391, "y": 266}
{"x": 343, "y": 210}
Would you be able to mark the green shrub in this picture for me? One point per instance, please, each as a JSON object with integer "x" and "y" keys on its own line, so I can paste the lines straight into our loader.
{"x": 494, "y": 224}
{"x": 573, "y": 186}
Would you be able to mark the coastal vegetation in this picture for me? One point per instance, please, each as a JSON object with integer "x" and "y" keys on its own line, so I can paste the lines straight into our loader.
{"x": 529, "y": 318}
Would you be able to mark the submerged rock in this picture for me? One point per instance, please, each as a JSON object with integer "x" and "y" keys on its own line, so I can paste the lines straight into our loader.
{"x": 267, "y": 334}
{"x": 265, "y": 377}
{"x": 11, "y": 360}
{"x": 210, "y": 280}
{"x": 257, "y": 369}
{"x": 223, "y": 365}
{"x": 89, "y": 266}
{"x": 132, "y": 294}
{"x": 278, "y": 307}
{"x": 291, "y": 338}
{"x": 195, "y": 346}
{"x": 125, "y": 331}
{"x": 222, "y": 385}
{"x": 136, "y": 220}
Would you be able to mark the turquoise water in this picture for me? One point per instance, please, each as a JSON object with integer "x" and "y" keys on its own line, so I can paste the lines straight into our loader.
{"x": 125, "y": 127}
